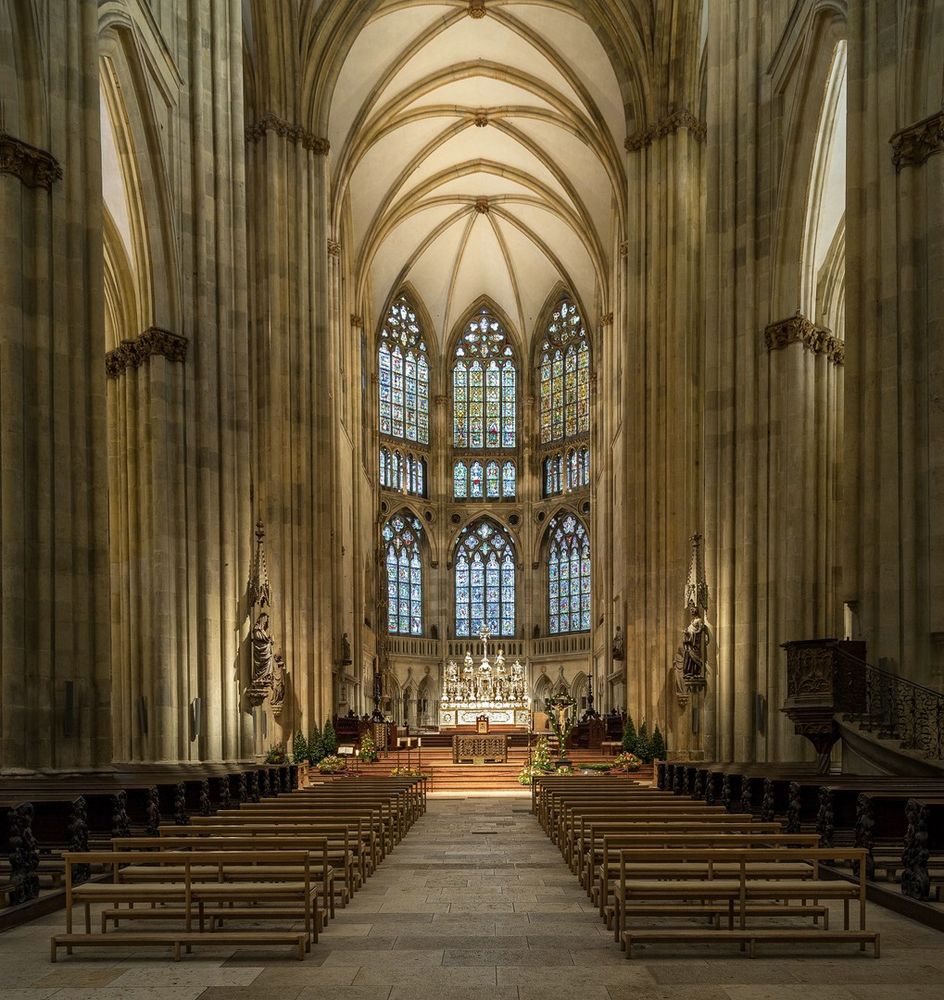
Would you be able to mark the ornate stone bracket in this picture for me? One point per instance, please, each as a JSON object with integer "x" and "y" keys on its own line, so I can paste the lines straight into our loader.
{"x": 33, "y": 166}
{"x": 912, "y": 145}
{"x": 666, "y": 126}
{"x": 134, "y": 353}
{"x": 799, "y": 330}
{"x": 287, "y": 130}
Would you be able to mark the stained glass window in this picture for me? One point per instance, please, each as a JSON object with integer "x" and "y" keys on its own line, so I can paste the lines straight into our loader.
{"x": 384, "y": 466}
{"x": 484, "y": 386}
{"x": 403, "y": 371}
{"x": 416, "y": 475}
{"x": 565, "y": 376}
{"x": 492, "y": 481}
{"x": 508, "y": 480}
{"x": 553, "y": 475}
{"x": 395, "y": 472}
{"x": 460, "y": 481}
{"x": 485, "y": 580}
{"x": 476, "y": 485}
{"x": 401, "y": 535}
{"x": 568, "y": 576}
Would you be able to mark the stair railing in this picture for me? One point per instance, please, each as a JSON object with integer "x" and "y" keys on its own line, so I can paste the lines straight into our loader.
{"x": 892, "y": 707}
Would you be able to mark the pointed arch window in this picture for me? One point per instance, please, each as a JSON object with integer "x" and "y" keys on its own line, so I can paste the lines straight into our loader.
{"x": 568, "y": 576}
{"x": 553, "y": 475}
{"x": 403, "y": 371}
{"x": 565, "y": 375}
{"x": 490, "y": 480}
{"x": 401, "y": 535}
{"x": 484, "y": 386}
{"x": 485, "y": 580}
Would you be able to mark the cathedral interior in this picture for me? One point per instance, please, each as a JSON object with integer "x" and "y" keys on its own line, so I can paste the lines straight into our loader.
{"x": 463, "y": 374}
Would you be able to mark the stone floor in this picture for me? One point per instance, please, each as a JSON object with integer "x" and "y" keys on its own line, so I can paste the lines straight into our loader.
{"x": 477, "y": 905}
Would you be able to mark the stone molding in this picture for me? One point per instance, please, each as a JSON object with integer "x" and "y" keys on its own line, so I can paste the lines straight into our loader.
{"x": 912, "y": 145}
{"x": 287, "y": 130}
{"x": 666, "y": 126}
{"x": 134, "y": 353}
{"x": 32, "y": 165}
{"x": 799, "y": 330}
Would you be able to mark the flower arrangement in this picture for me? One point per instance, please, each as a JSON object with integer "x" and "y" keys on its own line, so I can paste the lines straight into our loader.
{"x": 626, "y": 762}
{"x": 368, "y": 751}
{"x": 565, "y": 769}
{"x": 276, "y": 754}
{"x": 601, "y": 768}
{"x": 540, "y": 762}
{"x": 408, "y": 772}
{"x": 331, "y": 764}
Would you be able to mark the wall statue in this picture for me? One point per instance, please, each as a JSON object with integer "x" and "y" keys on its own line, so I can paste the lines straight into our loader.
{"x": 619, "y": 644}
{"x": 278, "y": 685}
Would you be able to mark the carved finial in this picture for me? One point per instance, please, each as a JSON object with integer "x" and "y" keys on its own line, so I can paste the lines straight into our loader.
{"x": 259, "y": 591}
{"x": 481, "y": 206}
{"x": 696, "y": 589}
{"x": 476, "y": 8}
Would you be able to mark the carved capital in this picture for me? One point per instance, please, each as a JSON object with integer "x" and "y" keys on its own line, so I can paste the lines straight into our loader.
{"x": 287, "y": 130}
{"x": 357, "y": 321}
{"x": 666, "y": 126}
{"x": 33, "y": 166}
{"x": 606, "y": 319}
{"x": 799, "y": 330}
{"x": 334, "y": 248}
{"x": 134, "y": 353}
{"x": 912, "y": 145}
{"x": 624, "y": 248}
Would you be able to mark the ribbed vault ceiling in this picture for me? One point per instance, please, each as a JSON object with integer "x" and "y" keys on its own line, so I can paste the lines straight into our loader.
{"x": 477, "y": 156}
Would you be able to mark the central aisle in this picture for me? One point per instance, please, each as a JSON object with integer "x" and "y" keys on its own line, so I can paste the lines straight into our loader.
{"x": 476, "y": 903}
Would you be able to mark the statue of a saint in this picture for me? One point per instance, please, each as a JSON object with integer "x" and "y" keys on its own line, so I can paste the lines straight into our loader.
{"x": 262, "y": 648}
{"x": 345, "y": 648}
{"x": 278, "y": 683}
{"x": 618, "y": 644}
{"x": 694, "y": 648}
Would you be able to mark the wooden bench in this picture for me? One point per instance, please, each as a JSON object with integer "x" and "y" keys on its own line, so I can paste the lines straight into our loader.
{"x": 738, "y": 891}
{"x": 175, "y": 939}
{"x": 748, "y": 936}
{"x": 188, "y": 896}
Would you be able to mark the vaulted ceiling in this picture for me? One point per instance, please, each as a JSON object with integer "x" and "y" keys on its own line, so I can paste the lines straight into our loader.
{"x": 477, "y": 155}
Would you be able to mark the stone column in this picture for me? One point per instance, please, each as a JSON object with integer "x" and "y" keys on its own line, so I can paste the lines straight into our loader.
{"x": 663, "y": 371}
{"x": 54, "y": 633}
{"x": 893, "y": 488}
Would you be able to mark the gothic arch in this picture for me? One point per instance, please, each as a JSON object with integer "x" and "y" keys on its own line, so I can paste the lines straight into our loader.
{"x": 137, "y": 137}
{"x": 801, "y": 73}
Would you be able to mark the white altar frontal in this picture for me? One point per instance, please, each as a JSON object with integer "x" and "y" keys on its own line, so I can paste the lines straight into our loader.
{"x": 489, "y": 689}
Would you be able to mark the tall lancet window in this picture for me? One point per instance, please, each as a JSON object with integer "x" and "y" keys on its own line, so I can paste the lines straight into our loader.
{"x": 565, "y": 375}
{"x": 484, "y": 385}
{"x": 568, "y": 576}
{"x": 401, "y": 535}
{"x": 403, "y": 373}
{"x": 485, "y": 580}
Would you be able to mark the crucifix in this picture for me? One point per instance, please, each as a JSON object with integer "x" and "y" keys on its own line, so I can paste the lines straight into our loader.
{"x": 485, "y": 635}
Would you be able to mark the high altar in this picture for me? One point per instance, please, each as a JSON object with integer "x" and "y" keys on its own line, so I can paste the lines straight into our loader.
{"x": 492, "y": 691}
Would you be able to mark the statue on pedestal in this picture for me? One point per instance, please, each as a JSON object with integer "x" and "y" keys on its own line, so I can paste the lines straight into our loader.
{"x": 619, "y": 644}
{"x": 278, "y": 685}
{"x": 691, "y": 657}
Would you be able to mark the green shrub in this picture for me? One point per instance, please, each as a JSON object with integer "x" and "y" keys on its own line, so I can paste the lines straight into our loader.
{"x": 329, "y": 739}
{"x": 658, "y": 744}
{"x": 299, "y": 748}
{"x": 629, "y": 735}
{"x": 644, "y": 744}
{"x": 316, "y": 749}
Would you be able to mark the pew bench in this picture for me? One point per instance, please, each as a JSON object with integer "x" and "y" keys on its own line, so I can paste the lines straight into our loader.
{"x": 175, "y": 939}
{"x": 748, "y": 936}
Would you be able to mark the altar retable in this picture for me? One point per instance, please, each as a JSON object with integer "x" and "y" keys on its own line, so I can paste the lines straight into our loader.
{"x": 492, "y": 691}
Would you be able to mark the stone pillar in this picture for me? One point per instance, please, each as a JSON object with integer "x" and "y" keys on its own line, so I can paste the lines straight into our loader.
{"x": 293, "y": 261}
{"x": 662, "y": 439}
{"x": 893, "y": 488}
{"x": 54, "y": 632}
